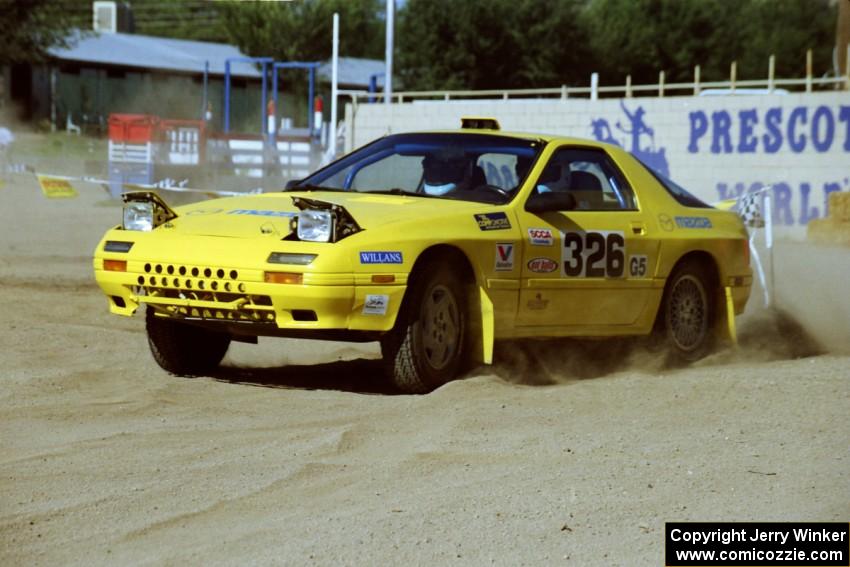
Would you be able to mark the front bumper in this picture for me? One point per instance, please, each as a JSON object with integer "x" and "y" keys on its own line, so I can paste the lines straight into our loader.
{"x": 238, "y": 296}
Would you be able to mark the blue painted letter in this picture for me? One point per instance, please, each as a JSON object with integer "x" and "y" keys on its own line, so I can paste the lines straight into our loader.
{"x": 773, "y": 139}
{"x": 746, "y": 141}
{"x": 721, "y": 121}
{"x": 699, "y": 126}
{"x": 822, "y": 144}
{"x": 799, "y": 114}
{"x": 844, "y": 116}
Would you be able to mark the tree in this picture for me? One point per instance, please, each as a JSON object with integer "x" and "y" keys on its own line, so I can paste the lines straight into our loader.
{"x": 302, "y": 31}
{"x": 30, "y": 28}
{"x": 643, "y": 37}
{"x": 480, "y": 44}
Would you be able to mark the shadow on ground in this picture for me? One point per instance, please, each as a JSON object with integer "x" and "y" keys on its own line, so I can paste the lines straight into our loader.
{"x": 764, "y": 337}
{"x": 361, "y": 376}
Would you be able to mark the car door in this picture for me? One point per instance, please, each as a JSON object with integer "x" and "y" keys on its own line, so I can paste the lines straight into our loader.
{"x": 591, "y": 266}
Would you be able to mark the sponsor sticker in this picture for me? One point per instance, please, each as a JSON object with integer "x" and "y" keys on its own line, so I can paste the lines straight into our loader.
{"x": 198, "y": 212}
{"x": 693, "y": 222}
{"x": 504, "y": 257}
{"x": 540, "y": 237}
{"x": 261, "y": 213}
{"x": 665, "y": 222}
{"x": 493, "y": 221}
{"x": 538, "y": 303}
{"x": 381, "y": 257}
{"x": 542, "y": 265}
{"x": 376, "y": 304}
{"x": 55, "y": 188}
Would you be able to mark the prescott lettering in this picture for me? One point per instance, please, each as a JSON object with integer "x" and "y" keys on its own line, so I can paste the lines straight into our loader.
{"x": 745, "y": 132}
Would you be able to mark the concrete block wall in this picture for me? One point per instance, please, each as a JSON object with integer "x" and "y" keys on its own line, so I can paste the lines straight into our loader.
{"x": 715, "y": 146}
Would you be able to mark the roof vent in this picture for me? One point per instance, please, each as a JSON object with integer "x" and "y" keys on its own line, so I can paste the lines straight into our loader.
{"x": 479, "y": 123}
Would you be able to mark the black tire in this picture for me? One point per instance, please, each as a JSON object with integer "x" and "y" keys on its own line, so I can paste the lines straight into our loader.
{"x": 688, "y": 312}
{"x": 184, "y": 349}
{"x": 428, "y": 346}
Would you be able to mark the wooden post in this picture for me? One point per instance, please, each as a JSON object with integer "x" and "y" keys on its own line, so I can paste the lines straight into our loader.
{"x": 847, "y": 66}
{"x": 733, "y": 76}
{"x": 563, "y": 92}
{"x": 594, "y": 86}
{"x": 661, "y": 83}
{"x": 809, "y": 71}
{"x": 53, "y": 72}
{"x": 628, "y": 86}
{"x": 696, "y": 80}
{"x": 771, "y": 73}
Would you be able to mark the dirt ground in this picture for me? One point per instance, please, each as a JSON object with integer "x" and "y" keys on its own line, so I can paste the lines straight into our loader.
{"x": 298, "y": 453}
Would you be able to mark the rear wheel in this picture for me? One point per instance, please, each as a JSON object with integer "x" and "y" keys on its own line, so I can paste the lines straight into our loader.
{"x": 427, "y": 348}
{"x": 183, "y": 349}
{"x": 689, "y": 312}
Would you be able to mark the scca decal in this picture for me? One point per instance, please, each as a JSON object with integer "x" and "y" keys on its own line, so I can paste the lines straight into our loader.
{"x": 378, "y": 257}
{"x": 493, "y": 221}
{"x": 540, "y": 236}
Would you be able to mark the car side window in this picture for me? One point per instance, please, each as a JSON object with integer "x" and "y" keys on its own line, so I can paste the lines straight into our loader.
{"x": 591, "y": 177}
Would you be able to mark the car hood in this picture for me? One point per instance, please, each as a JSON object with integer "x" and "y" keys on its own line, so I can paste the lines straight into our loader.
{"x": 271, "y": 213}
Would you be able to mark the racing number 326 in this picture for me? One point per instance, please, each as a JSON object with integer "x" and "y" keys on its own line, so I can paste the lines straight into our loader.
{"x": 594, "y": 254}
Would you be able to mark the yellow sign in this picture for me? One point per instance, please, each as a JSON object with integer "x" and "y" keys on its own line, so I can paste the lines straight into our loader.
{"x": 56, "y": 188}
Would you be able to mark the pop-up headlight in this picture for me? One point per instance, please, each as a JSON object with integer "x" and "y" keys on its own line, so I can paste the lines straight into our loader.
{"x": 138, "y": 215}
{"x": 315, "y": 226}
{"x": 321, "y": 221}
{"x": 145, "y": 211}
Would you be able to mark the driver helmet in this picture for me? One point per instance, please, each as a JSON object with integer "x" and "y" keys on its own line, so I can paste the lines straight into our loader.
{"x": 443, "y": 175}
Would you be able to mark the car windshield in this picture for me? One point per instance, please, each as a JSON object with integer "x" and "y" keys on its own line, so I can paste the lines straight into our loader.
{"x": 486, "y": 168}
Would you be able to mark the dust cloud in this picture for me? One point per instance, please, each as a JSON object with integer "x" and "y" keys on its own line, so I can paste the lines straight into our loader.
{"x": 809, "y": 316}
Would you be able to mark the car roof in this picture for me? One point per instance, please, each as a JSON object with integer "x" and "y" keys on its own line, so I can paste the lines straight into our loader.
{"x": 520, "y": 136}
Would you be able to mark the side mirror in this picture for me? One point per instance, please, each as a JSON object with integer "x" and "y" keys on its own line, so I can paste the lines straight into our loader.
{"x": 292, "y": 183}
{"x": 550, "y": 202}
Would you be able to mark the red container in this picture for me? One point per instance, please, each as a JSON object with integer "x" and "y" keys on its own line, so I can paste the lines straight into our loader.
{"x": 132, "y": 128}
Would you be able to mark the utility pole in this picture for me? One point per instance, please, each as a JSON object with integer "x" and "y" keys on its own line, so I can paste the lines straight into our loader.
{"x": 334, "y": 86}
{"x": 388, "y": 75}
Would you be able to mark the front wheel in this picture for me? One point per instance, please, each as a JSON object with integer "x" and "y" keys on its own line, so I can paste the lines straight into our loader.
{"x": 689, "y": 312}
{"x": 428, "y": 345}
{"x": 184, "y": 349}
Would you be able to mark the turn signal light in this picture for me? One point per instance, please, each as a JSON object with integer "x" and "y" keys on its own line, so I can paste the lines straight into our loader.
{"x": 383, "y": 278}
{"x": 115, "y": 265}
{"x": 283, "y": 277}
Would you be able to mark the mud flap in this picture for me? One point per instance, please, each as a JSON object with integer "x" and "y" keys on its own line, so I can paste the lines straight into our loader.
{"x": 727, "y": 328}
{"x": 487, "y": 326}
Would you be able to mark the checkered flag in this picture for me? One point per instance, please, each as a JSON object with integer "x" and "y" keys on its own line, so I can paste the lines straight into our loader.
{"x": 749, "y": 207}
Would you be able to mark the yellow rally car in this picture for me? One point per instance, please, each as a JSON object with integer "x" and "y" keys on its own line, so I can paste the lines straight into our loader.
{"x": 436, "y": 244}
